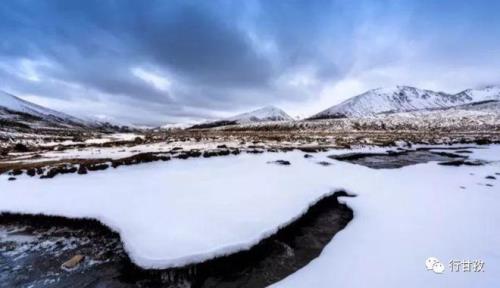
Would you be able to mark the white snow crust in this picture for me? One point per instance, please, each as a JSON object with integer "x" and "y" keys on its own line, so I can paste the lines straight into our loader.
{"x": 402, "y": 217}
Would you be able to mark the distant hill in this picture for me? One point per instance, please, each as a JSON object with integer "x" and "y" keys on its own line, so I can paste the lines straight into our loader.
{"x": 16, "y": 113}
{"x": 265, "y": 114}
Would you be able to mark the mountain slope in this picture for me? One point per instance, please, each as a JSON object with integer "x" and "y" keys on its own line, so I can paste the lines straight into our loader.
{"x": 15, "y": 111}
{"x": 405, "y": 99}
{"x": 268, "y": 113}
{"x": 488, "y": 93}
{"x": 265, "y": 114}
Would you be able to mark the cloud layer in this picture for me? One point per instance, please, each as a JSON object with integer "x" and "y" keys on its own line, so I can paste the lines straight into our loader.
{"x": 152, "y": 62}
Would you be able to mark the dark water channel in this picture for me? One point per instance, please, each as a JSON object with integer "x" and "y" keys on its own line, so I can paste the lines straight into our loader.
{"x": 33, "y": 248}
{"x": 405, "y": 157}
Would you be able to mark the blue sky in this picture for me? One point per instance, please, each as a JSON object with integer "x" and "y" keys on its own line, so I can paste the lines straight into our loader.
{"x": 150, "y": 62}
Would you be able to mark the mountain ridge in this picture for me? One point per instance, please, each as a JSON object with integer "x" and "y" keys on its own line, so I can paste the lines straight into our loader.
{"x": 16, "y": 110}
{"x": 18, "y": 113}
{"x": 268, "y": 113}
{"x": 404, "y": 99}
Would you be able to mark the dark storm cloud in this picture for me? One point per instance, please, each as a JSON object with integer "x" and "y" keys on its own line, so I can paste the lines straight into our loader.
{"x": 92, "y": 42}
{"x": 184, "y": 59}
{"x": 95, "y": 44}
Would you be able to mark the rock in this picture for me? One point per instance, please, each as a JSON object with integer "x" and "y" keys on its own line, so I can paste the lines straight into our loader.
{"x": 50, "y": 174}
{"x": 223, "y": 146}
{"x": 256, "y": 147}
{"x": 59, "y": 170}
{"x": 483, "y": 141}
{"x": 280, "y": 162}
{"x": 139, "y": 158}
{"x": 308, "y": 156}
{"x": 452, "y": 163}
{"x": 475, "y": 162}
{"x": 188, "y": 154}
{"x": 182, "y": 156}
{"x": 311, "y": 149}
{"x": 19, "y": 147}
{"x": 491, "y": 177}
{"x": 82, "y": 170}
{"x": 73, "y": 262}
{"x": 12, "y": 178}
{"x": 194, "y": 153}
{"x": 255, "y": 151}
{"x": 208, "y": 154}
{"x": 31, "y": 172}
{"x": 68, "y": 170}
{"x": 16, "y": 172}
{"x": 463, "y": 162}
{"x": 96, "y": 167}
{"x": 223, "y": 153}
{"x": 324, "y": 163}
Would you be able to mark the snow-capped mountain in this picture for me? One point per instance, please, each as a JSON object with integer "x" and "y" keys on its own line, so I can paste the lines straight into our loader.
{"x": 174, "y": 126}
{"x": 16, "y": 110}
{"x": 268, "y": 113}
{"x": 489, "y": 93}
{"x": 265, "y": 114}
{"x": 405, "y": 99}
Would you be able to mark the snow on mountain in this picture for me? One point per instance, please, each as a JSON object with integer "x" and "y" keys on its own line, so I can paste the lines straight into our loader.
{"x": 405, "y": 99}
{"x": 265, "y": 114}
{"x": 268, "y": 113}
{"x": 14, "y": 109}
{"x": 174, "y": 126}
{"x": 13, "y": 103}
{"x": 484, "y": 94}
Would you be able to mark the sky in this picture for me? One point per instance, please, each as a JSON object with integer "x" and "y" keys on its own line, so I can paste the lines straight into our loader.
{"x": 155, "y": 62}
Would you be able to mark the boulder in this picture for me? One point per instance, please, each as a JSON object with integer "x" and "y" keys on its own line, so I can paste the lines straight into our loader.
{"x": 19, "y": 147}
{"x": 73, "y": 262}
{"x": 280, "y": 162}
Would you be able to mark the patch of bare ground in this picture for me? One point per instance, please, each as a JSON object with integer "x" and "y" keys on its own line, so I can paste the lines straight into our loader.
{"x": 157, "y": 145}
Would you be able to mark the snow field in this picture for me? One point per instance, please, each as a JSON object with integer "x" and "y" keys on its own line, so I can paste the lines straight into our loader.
{"x": 180, "y": 212}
